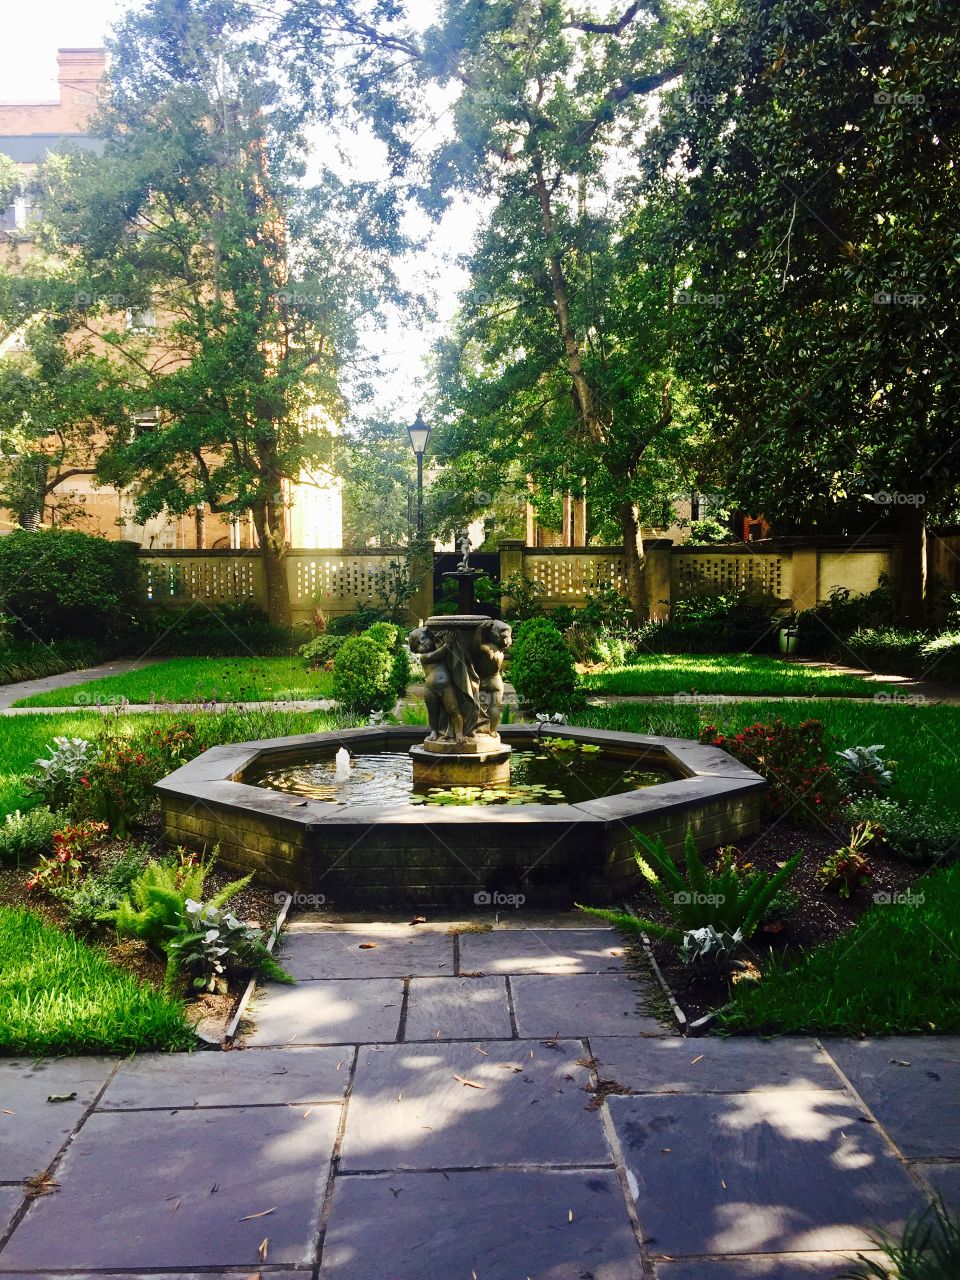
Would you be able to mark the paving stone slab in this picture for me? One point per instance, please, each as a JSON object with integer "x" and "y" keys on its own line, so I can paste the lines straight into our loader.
{"x": 335, "y": 1012}
{"x": 154, "y": 1187}
{"x": 543, "y": 951}
{"x": 10, "y": 1201}
{"x": 501, "y": 1225}
{"x": 399, "y": 952}
{"x": 251, "y": 1077}
{"x": 711, "y": 1064}
{"x": 409, "y": 1109}
{"x": 36, "y": 1129}
{"x": 911, "y": 1084}
{"x": 786, "y": 1170}
{"x": 822, "y": 1266}
{"x": 945, "y": 1180}
{"x": 587, "y": 1004}
{"x": 457, "y": 1009}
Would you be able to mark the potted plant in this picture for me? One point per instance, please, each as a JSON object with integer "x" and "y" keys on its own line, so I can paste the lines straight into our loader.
{"x": 787, "y": 634}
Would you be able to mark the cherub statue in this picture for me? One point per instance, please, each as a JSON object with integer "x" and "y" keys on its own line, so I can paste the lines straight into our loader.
{"x": 463, "y": 542}
{"x": 443, "y": 705}
{"x": 491, "y": 641}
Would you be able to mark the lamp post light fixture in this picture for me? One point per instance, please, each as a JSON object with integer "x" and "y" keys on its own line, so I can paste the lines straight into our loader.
{"x": 419, "y": 433}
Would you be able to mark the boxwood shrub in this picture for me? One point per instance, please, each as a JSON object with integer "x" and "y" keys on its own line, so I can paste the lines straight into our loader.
{"x": 363, "y": 675}
{"x": 542, "y": 670}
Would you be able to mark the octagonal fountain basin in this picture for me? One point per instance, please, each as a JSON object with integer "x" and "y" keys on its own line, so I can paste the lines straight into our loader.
{"x": 560, "y": 830}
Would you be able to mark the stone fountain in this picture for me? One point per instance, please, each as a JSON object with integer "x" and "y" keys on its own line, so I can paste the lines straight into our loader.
{"x": 462, "y": 655}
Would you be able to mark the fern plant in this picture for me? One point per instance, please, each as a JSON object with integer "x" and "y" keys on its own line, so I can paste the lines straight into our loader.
{"x": 929, "y": 1249}
{"x": 157, "y": 900}
{"x": 730, "y": 899}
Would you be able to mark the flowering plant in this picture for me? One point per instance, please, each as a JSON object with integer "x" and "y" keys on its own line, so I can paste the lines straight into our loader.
{"x": 793, "y": 759}
{"x": 72, "y": 847}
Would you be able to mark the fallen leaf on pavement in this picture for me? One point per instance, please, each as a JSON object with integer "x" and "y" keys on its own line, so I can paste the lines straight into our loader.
{"x": 41, "y": 1184}
{"x": 262, "y": 1214}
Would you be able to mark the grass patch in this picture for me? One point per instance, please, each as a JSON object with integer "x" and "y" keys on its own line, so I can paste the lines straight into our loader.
{"x": 923, "y": 740}
{"x": 741, "y": 674}
{"x": 197, "y": 680}
{"x": 894, "y": 972}
{"x": 58, "y": 995}
{"x": 24, "y": 738}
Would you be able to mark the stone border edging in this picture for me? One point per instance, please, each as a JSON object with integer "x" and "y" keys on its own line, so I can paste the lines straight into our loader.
{"x": 247, "y": 996}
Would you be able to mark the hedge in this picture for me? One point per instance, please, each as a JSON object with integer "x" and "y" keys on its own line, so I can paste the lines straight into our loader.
{"x": 58, "y": 582}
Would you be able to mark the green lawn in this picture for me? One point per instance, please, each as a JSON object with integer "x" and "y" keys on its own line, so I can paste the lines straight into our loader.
{"x": 924, "y": 740}
{"x": 896, "y": 971}
{"x": 57, "y": 995}
{"x": 198, "y": 680}
{"x": 741, "y": 674}
{"x": 24, "y": 738}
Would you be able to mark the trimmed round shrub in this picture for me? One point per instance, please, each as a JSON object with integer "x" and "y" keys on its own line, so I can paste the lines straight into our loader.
{"x": 542, "y": 670}
{"x": 363, "y": 675}
{"x": 385, "y": 633}
{"x": 57, "y": 582}
{"x": 321, "y": 649}
{"x": 401, "y": 669}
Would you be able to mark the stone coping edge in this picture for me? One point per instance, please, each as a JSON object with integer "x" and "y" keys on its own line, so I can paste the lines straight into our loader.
{"x": 215, "y": 777}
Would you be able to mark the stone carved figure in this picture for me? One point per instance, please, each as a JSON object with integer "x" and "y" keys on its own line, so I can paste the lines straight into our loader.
{"x": 491, "y": 640}
{"x": 464, "y": 544}
{"x": 443, "y": 705}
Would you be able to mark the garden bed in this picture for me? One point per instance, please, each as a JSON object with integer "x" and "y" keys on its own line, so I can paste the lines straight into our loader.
{"x": 93, "y": 991}
{"x": 819, "y": 917}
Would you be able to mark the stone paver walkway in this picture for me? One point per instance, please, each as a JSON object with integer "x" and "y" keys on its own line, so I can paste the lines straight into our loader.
{"x": 496, "y": 1105}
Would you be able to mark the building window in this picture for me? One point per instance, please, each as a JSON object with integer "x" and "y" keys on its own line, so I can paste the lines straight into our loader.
{"x": 22, "y": 213}
{"x": 141, "y": 320}
{"x": 145, "y": 421}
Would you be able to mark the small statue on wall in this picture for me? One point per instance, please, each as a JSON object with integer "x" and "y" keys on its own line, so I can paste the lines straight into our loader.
{"x": 463, "y": 542}
{"x": 491, "y": 641}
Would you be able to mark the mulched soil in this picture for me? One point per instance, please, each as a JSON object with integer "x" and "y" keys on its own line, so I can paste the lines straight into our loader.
{"x": 820, "y": 916}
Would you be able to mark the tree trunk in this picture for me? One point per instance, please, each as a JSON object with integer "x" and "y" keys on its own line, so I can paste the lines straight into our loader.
{"x": 913, "y": 567}
{"x": 634, "y": 561}
{"x": 273, "y": 554}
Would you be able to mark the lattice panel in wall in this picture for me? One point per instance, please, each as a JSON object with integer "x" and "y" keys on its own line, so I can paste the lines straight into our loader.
{"x": 335, "y": 579}
{"x": 572, "y": 576}
{"x": 761, "y": 572}
{"x": 197, "y": 578}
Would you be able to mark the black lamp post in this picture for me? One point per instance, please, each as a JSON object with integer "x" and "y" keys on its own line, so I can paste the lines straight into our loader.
{"x": 419, "y": 433}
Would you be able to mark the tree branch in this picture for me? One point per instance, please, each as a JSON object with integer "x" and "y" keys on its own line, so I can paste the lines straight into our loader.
{"x": 605, "y": 28}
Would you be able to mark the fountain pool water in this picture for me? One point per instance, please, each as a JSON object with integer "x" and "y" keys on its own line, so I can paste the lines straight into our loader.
{"x": 542, "y": 776}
